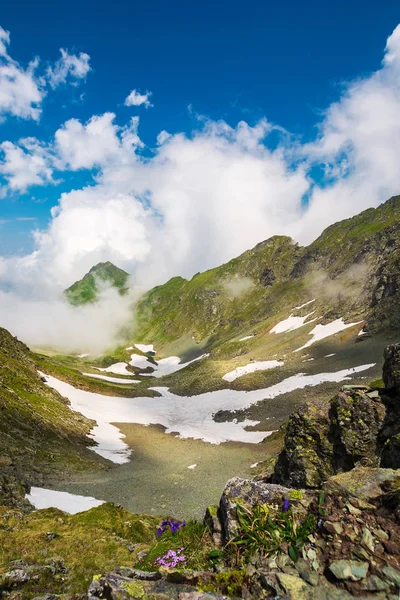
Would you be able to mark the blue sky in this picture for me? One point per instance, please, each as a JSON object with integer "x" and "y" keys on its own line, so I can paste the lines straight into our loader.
{"x": 229, "y": 60}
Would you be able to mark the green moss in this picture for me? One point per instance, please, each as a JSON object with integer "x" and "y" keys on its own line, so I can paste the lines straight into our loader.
{"x": 134, "y": 589}
{"x": 230, "y": 582}
{"x": 295, "y": 495}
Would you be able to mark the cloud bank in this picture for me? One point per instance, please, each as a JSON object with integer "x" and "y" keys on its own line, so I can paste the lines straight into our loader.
{"x": 196, "y": 200}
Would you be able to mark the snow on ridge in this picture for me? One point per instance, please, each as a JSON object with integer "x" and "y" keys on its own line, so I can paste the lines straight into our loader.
{"x": 321, "y": 332}
{"x": 250, "y": 368}
{"x": 292, "y": 323}
{"x": 112, "y": 379}
{"x": 305, "y": 304}
{"x": 69, "y": 503}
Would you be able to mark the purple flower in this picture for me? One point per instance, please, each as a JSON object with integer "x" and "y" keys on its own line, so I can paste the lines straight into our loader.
{"x": 286, "y": 505}
{"x": 171, "y": 559}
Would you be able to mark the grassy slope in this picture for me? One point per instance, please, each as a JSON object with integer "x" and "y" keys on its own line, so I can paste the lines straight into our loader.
{"x": 39, "y": 435}
{"x": 88, "y": 543}
{"x": 86, "y": 289}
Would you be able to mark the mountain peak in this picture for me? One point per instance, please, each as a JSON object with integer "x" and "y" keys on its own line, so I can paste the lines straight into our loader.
{"x": 86, "y": 290}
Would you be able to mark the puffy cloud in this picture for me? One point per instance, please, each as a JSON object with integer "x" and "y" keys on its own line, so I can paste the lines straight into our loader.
{"x": 28, "y": 163}
{"x": 98, "y": 142}
{"x": 70, "y": 67}
{"x": 21, "y": 92}
{"x": 135, "y": 98}
{"x": 358, "y": 146}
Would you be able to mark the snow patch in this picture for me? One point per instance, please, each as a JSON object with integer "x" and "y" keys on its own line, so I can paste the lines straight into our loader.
{"x": 306, "y": 304}
{"x": 145, "y": 347}
{"x": 292, "y": 323}
{"x": 82, "y": 355}
{"x": 191, "y": 417}
{"x": 321, "y": 332}
{"x": 251, "y": 367}
{"x": 246, "y": 337}
{"x": 111, "y": 379}
{"x": 192, "y": 466}
{"x": 329, "y": 355}
{"x": 164, "y": 366}
{"x": 141, "y": 362}
{"x": 120, "y": 368}
{"x": 70, "y": 503}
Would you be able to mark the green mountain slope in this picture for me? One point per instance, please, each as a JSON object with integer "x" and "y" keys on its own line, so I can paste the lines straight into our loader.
{"x": 86, "y": 289}
{"x": 352, "y": 269}
{"x": 40, "y": 437}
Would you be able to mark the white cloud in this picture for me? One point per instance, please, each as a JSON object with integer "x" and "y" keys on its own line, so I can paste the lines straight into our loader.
{"x": 25, "y": 164}
{"x": 76, "y": 146}
{"x": 98, "y": 142}
{"x": 162, "y": 137}
{"x": 4, "y": 41}
{"x": 70, "y": 67}
{"x": 21, "y": 92}
{"x": 135, "y": 98}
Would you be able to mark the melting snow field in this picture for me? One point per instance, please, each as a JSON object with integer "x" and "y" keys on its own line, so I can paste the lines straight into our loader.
{"x": 291, "y": 323}
{"x": 251, "y": 367}
{"x": 190, "y": 417}
{"x": 112, "y": 379}
{"x": 70, "y": 503}
{"x": 321, "y": 332}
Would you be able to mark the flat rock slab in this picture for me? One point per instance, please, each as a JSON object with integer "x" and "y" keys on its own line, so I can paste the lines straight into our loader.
{"x": 362, "y": 482}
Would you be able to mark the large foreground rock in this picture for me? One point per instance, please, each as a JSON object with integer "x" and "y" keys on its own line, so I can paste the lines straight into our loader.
{"x": 360, "y": 426}
{"x": 246, "y": 493}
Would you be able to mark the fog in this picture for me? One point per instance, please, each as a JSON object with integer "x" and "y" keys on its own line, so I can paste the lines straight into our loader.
{"x": 55, "y": 324}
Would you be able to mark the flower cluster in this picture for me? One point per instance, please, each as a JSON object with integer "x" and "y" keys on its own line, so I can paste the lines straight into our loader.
{"x": 172, "y": 558}
{"x": 286, "y": 505}
{"x": 175, "y": 526}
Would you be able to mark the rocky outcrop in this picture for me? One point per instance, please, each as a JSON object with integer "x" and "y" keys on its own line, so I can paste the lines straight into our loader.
{"x": 391, "y": 368}
{"x": 359, "y": 426}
